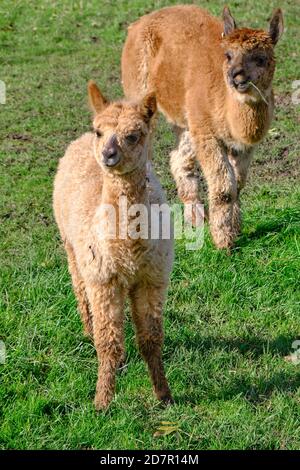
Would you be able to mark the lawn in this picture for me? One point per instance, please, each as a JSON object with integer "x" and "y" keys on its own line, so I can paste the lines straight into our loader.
{"x": 230, "y": 321}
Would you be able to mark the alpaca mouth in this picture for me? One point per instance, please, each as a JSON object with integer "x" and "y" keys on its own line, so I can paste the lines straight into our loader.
{"x": 242, "y": 87}
{"x": 112, "y": 161}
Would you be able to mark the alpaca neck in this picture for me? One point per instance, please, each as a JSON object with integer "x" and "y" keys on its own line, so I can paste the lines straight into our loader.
{"x": 249, "y": 120}
{"x": 125, "y": 193}
{"x": 131, "y": 185}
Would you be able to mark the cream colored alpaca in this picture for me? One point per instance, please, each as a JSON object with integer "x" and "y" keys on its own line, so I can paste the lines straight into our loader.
{"x": 213, "y": 82}
{"x": 96, "y": 170}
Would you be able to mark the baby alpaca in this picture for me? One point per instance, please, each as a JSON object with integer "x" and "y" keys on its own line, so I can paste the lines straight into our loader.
{"x": 98, "y": 169}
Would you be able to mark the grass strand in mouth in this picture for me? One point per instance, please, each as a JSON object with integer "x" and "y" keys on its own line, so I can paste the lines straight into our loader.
{"x": 254, "y": 86}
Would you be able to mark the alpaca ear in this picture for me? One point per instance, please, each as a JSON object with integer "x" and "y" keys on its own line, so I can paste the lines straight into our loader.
{"x": 276, "y": 26}
{"x": 229, "y": 22}
{"x": 96, "y": 100}
{"x": 148, "y": 106}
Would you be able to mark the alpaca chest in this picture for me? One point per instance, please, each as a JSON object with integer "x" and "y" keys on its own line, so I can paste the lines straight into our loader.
{"x": 248, "y": 124}
{"x": 124, "y": 259}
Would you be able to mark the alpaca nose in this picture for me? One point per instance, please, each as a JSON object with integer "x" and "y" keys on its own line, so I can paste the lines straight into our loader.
{"x": 110, "y": 153}
{"x": 111, "y": 156}
{"x": 238, "y": 77}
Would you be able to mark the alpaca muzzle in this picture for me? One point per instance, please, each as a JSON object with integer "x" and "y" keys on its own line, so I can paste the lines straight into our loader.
{"x": 239, "y": 80}
{"x": 110, "y": 153}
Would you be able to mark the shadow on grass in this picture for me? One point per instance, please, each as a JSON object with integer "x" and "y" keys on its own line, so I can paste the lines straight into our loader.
{"x": 253, "y": 346}
{"x": 290, "y": 216}
{"x": 260, "y": 390}
{"x": 255, "y": 390}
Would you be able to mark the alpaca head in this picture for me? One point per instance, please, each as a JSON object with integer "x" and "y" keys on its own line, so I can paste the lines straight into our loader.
{"x": 249, "y": 57}
{"x": 121, "y": 131}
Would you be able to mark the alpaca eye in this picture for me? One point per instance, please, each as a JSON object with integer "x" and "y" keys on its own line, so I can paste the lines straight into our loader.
{"x": 260, "y": 61}
{"x": 132, "y": 138}
{"x": 228, "y": 56}
{"x": 98, "y": 133}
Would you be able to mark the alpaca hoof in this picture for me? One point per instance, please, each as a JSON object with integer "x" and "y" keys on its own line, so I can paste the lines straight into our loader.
{"x": 223, "y": 239}
{"x": 226, "y": 246}
{"x": 101, "y": 403}
{"x": 165, "y": 398}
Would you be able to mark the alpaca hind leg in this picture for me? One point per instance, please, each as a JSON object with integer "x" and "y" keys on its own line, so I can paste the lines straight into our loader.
{"x": 80, "y": 292}
{"x": 184, "y": 171}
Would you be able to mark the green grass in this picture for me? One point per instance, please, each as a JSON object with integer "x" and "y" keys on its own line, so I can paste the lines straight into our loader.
{"x": 229, "y": 321}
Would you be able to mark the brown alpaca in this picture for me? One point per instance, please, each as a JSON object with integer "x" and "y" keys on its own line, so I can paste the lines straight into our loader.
{"x": 213, "y": 82}
{"x": 96, "y": 170}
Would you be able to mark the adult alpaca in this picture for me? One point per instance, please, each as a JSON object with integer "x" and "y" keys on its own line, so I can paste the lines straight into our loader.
{"x": 213, "y": 82}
